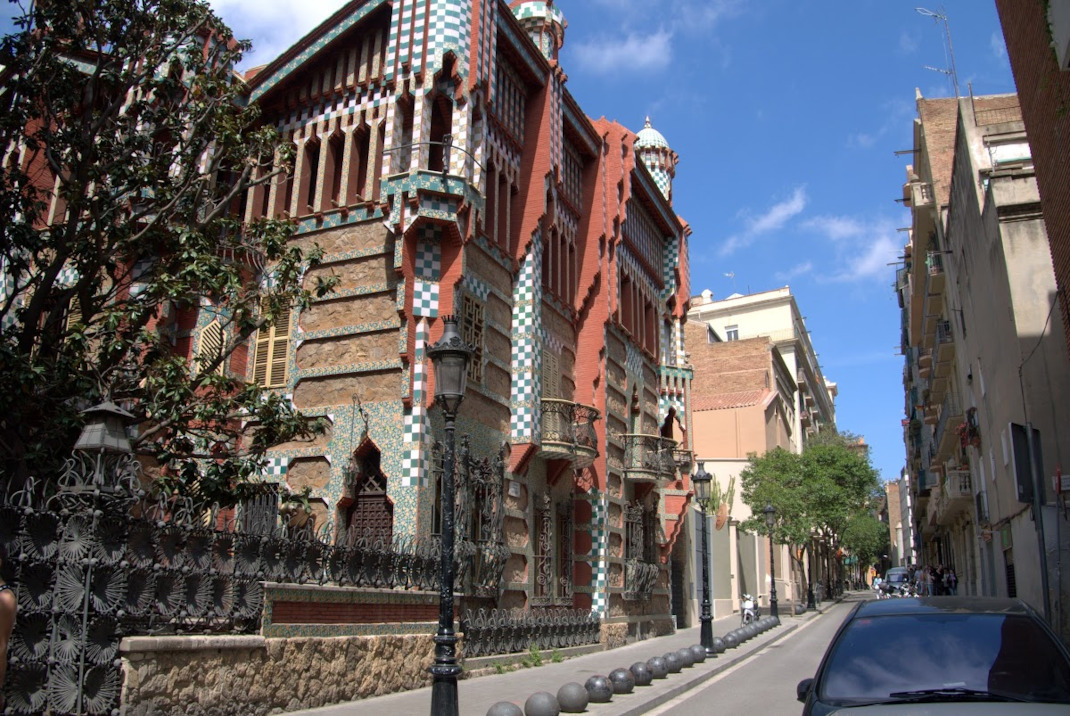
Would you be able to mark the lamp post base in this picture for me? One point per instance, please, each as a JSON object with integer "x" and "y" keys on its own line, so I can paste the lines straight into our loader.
{"x": 706, "y": 635}
{"x": 444, "y": 674}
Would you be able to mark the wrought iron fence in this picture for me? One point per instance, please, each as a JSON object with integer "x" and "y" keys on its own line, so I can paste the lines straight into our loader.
{"x": 508, "y": 631}
{"x": 93, "y": 558}
{"x": 640, "y": 578}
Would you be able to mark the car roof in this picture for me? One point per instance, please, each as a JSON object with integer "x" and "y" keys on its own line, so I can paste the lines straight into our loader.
{"x": 933, "y": 605}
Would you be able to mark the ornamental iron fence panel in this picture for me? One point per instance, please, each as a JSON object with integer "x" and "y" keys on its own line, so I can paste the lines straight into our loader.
{"x": 489, "y": 632}
{"x": 94, "y": 558}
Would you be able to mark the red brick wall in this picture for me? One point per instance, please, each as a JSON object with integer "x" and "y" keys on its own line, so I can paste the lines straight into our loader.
{"x": 336, "y": 613}
{"x": 1044, "y": 94}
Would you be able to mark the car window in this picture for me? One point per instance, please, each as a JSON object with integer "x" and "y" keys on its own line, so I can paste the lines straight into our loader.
{"x": 877, "y": 656}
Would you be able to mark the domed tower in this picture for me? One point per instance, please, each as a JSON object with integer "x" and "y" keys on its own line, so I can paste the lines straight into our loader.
{"x": 544, "y": 23}
{"x": 658, "y": 156}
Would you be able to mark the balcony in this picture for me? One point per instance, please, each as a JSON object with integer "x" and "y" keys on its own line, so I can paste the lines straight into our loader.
{"x": 934, "y": 262}
{"x": 944, "y": 349}
{"x": 946, "y": 433}
{"x": 958, "y": 490}
{"x": 568, "y": 432}
{"x": 649, "y": 458}
{"x": 921, "y": 194}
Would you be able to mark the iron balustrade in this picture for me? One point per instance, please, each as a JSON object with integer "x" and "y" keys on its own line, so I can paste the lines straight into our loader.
{"x": 568, "y": 429}
{"x": 93, "y": 559}
{"x": 489, "y": 632}
{"x": 649, "y": 457}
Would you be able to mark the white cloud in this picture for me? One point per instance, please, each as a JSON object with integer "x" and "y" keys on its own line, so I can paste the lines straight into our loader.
{"x": 635, "y": 51}
{"x": 797, "y": 270}
{"x": 774, "y": 218}
{"x": 999, "y": 48}
{"x": 273, "y": 26}
{"x": 862, "y": 248}
{"x": 908, "y": 44}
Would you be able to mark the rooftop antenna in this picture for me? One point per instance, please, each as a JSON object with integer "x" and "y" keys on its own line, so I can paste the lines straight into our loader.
{"x": 952, "y": 73}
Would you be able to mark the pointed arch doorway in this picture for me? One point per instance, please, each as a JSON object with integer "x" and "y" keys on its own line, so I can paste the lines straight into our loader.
{"x": 370, "y": 513}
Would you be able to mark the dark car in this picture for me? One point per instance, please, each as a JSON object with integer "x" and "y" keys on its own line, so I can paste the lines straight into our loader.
{"x": 940, "y": 650}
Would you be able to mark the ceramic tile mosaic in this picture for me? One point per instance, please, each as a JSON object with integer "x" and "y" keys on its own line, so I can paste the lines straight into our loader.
{"x": 425, "y": 296}
{"x": 429, "y": 254}
{"x": 414, "y": 471}
{"x": 599, "y": 554}
{"x": 474, "y": 286}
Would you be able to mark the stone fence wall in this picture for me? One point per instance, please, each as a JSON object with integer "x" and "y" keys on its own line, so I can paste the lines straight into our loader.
{"x": 252, "y": 675}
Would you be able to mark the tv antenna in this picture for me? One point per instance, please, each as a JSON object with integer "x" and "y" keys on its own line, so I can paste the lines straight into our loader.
{"x": 950, "y": 70}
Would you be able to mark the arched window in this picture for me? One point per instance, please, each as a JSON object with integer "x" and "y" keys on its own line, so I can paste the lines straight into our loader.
{"x": 371, "y": 514}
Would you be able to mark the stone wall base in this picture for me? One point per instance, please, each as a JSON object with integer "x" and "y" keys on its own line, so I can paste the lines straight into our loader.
{"x": 252, "y": 676}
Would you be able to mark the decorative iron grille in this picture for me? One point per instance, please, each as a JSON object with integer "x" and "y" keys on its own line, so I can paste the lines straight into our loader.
{"x": 553, "y": 553}
{"x": 94, "y": 559}
{"x": 640, "y": 564}
{"x": 508, "y": 631}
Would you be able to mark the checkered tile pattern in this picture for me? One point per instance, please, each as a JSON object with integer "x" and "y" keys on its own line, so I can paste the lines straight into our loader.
{"x": 477, "y": 288}
{"x": 450, "y": 30}
{"x": 276, "y": 468}
{"x": 429, "y": 254}
{"x": 68, "y": 276}
{"x": 425, "y": 299}
{"x": 599, "y": 552}
{"x": 414, "y": 463}
{"x": 634, "y": 360}
{"x": 526, "y": 350}
{"x": 681, "y": 348}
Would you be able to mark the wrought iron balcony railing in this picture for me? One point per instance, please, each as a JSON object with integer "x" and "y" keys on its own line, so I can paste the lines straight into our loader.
{"x": 649, "y": 457}
{"x": 640, "y": 578}
{"x": 568, "y": 431}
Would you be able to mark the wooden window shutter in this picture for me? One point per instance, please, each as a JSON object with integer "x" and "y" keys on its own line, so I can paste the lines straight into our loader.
{"x": 272, "y": 352}
{"x": 551, "y": 375}
{"x": 211, "y": 346}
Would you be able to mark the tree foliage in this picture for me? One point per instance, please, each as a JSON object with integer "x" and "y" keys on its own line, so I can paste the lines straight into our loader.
{"x": 129, "y": 152}
{"x": 820, "y": 492}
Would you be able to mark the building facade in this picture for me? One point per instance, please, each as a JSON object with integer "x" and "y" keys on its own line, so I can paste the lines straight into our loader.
{"x": 759, "y": 387}
{"x": 444, "y": 168}
{"x": 984, "y": 359}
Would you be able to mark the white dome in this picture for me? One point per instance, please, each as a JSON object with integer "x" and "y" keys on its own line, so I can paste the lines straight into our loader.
{"x": 650, "y": 137}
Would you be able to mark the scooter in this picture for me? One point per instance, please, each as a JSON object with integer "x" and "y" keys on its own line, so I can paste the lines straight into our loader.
{"x": 748, "y": 610}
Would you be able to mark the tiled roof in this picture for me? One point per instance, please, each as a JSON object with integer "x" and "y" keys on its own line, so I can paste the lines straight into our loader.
{"x": 728, "y": 401}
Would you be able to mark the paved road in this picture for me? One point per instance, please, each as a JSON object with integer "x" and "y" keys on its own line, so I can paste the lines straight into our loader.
{"x": 765, "y": 682}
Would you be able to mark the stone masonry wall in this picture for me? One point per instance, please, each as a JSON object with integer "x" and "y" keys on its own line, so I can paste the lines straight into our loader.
{"x": 251, "y": 675}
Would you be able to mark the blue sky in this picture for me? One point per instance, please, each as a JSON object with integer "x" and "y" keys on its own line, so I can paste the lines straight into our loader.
{"x": 786, "y": 116}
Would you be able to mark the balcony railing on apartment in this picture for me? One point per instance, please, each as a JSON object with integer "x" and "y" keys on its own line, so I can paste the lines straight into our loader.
{"x": 946, "y": 435}
{"x": 568, "y": 431}
{"x": 649, "y": 458}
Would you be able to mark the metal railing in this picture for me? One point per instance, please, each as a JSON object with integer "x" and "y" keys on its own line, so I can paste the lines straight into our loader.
{"x": 568, "y": 423}
{"x": 508, "y": 631}
{"x": 649, "y": 457}
{"x": 640, "y": 578}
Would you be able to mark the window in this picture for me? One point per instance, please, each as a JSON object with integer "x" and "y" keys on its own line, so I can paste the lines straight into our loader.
{"x": 472, "y": 318}
{"x": 551, "y": 375}
{"x": 272, "y": 352}
{"x": 731, "y": 333}
{"x": 210, "y": 348}
{"x": 553, "y": 553}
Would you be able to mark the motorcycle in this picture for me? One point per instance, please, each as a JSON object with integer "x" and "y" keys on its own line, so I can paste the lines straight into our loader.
{"x": 748, "y": 610}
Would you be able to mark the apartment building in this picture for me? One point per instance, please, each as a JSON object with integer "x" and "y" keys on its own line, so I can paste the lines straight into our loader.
{"x": 984, "y": 357}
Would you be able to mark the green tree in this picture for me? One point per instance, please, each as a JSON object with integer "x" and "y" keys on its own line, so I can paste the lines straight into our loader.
{"x": 130, "y": 151}
{"x": 866, "y": 537}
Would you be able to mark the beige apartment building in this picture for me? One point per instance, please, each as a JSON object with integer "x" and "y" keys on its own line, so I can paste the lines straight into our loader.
{"x": 984, "y": 356}
{"x": 757, "y": 386}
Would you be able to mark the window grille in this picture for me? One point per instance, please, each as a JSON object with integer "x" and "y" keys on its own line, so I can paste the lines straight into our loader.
{"x": 473, "y": 313}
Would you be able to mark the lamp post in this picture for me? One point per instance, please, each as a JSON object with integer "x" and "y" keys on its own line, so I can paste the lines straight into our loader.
{"x": 770, "y": 516}
{"x": 701, "y": 480}
{"x": 810, "y": 575}
{"x": 449, "y": 356}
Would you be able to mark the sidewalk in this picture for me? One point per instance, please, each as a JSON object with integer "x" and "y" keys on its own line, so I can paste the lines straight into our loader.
{"x": 478, "y": 694}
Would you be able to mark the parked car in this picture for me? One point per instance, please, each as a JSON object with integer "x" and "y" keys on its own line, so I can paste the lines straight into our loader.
{"x": 897, "y": 576}
{"x": 924, "y": 655}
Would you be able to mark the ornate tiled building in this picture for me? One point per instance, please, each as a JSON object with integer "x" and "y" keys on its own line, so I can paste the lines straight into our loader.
{"x": 444, "y": 168}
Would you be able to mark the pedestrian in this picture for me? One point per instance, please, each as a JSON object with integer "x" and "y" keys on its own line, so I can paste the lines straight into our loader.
{"x": 7, "y": 622}
{"x": 926, "y": 582}
{"x": 952, "y": 582}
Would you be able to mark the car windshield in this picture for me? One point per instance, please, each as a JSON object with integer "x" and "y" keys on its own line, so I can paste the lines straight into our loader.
{"x": 906, "y": 654}
{"x": 897, "y": 577}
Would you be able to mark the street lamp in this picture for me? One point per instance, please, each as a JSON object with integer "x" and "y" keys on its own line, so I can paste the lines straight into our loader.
{"x": 701, "y": 480}
{"x": 770, "y": 516}
{"x": 449, "y": 356}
